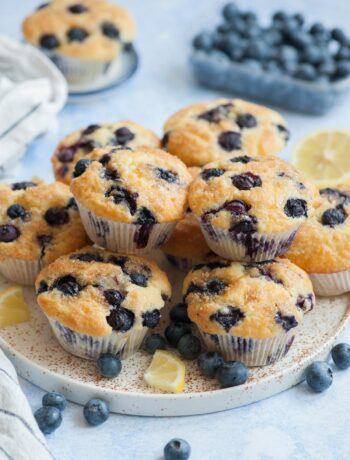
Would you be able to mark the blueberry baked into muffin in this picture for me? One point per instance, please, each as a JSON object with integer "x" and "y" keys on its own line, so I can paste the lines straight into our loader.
{"x": 251, "y": 208}
{"x": 208, "y": 131}
{"x": 130, "y": 200}
{"x": 81, "y": 143}
{"x": 322, "y": 245}
{"x": 249, "y": 312}
{"x": 82, "y": 37}
{"x": 97, "y": 301}
{"x": 38, "y": 223}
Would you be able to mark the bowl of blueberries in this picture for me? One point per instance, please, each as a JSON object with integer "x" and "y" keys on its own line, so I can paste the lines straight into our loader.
{"x": 288, "y": 63}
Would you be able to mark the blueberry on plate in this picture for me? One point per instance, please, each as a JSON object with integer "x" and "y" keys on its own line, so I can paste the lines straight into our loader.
{"x": 319, "y": 376}
{"x": 96, "y": 411}
{"x": 232, "y": 373}
{"x": 154, "y": 342}
{"x": 177, "y": 449}
{"x": 341, "y": 355}
{"x": 189, "y": 346}
{"x": 109, "y": 365}
{"x": 175, "y": 331}
{"x": 179, "y": 313}
{"x": 48, "y": 418}
{"x": 55, "y": 399}
{"x": 209, "y": 362}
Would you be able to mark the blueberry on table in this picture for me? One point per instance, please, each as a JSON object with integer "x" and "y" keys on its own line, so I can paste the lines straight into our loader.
{"x": 232, "y": 373}
{"x": 154, "y": 342}
{"x": 179, "y": 313}
{"x": 96, "y": 411}
{"x": 319, "y": 376}
{"x": 55, "y": 399}
{"x": 48, "y": 418}
{"x": 341, "y": 355}
{"x": 109, "y": 365}
{"x": 189, "y": 346}
{"x": 175, "y": 331}
{"x": 209, "y": 362}
{"x": 203, "y": 41}
{"x": 177, "y": 449}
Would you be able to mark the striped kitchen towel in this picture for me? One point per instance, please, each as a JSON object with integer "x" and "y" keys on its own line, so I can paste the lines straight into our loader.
{"x": 20, "y": 437}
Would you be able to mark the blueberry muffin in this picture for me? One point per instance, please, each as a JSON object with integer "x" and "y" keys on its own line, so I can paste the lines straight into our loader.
{"x": 38, "y": 223}
{"x": 97, "y": 301}
{"x": 82, "y": 37}
{"x": 249, "y": 312}
{"x": 209, "y": 131}
{"x": 130, "y": 200}
{"x": 251, "y": 208}
{"x": 80, "y": 144}
{"x": 322, "y": 248}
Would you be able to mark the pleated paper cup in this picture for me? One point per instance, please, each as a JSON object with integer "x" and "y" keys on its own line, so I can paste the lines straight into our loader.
{"x": 20, "y": 271}
{"x": 256, "y": 247}
{"x": 251, "y": 352}
{"x": 329, "y": 284}
{"x": 123, "y": 344}
{"x": 125, "y": 238}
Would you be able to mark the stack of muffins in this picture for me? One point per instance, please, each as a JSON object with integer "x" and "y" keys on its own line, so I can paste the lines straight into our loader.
{"x": 226, "y": 222}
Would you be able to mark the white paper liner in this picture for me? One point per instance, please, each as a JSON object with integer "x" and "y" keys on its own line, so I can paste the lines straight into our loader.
{"x": 120, "y": 237}
{"x": 249, "y": 351}
{"x": 328, "y": 284}
{"x": 20, "y": 271}
{"x": 123, "y": 344}
{"x": 267, "y": 246}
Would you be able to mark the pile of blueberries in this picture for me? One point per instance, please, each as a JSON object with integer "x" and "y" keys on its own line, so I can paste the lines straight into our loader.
{"x": 287, "y": 46}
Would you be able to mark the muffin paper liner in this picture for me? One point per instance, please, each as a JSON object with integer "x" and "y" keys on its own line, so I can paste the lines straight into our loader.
{"x": 328, "y": 284}
{"x": 125, "y": 238}
{"x": 256, "y": 246}
{"x": 20, "y": 271}
{"x": 123, "y": 344}
{"x": 250, "y": 351}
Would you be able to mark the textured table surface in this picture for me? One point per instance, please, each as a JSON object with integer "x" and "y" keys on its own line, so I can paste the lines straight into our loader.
{"x": 296, "y": 424}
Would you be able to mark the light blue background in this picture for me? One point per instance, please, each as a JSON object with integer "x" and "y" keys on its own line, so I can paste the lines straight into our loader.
{"x": 296, "y": 424}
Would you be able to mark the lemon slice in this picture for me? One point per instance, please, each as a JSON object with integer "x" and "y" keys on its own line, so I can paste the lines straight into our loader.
{"x": 324, "y": 157}
{"x": 13, "y": 308}
{"x": 166, "y": 372}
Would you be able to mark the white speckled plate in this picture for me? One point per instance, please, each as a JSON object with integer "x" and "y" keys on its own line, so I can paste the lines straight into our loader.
{"x": 38, "y": 358}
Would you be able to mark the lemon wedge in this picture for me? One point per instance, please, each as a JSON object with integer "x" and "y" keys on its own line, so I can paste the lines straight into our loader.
{"x": 13, "y": 308}
{"x": 324, "y": 157}
{"x": 166, "y": 372}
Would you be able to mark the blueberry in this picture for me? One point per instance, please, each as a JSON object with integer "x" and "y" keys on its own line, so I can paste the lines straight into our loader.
{"x": 22, "y": 185}
{"x": 297, "y": 39}
{"x": 9, "y": 233}
{"x": 66, "y": 154}
{"x": 241, "y": 159}
{"x": 246, "y": 181}
{"x": 209, "y": 173}
{"x": 319, "y": 376}
{"x": 288, "y": 322}
{"x": 343, "y": 54}
{"x": 90, "y": 129}
{"x": 151, "y": 318}
{"x": 87, "y": 257}
{"x": 272, "y": 66}
{"x": 145, "y": 216}
{"x": 121, "y": 319}
{"x": 55, "y": 399}
{"x": 232, "y": 373}
{"x": 43, "y": 287}
{"x": 333, "y": 216}
{"x": 228, "y": 317}
{"x": 339, "y": 35}
{"x": 295, "y": 208}
{"x": 342, "y": 70}
{"x": 244, "y": 226}
{"x": 246, "y": 120}
{"x": 78, "y": 8}
{"x": 77, "y": 34}
{"x": 272, "y": 36}
{"x": 179, "y": 313}
{"x": 177, "y": 449}
{"x": 89, "y": 146}
{"x": 175, "y": 331}
{"x": 284, "y": 132}
{"x": 154, "y": 342}
{"x": 311, "y": 55}
{"x": 230, "y": 140}
{"x": 96, "y": 411}
{"x": 16, "y": 210}
{"x": 49, "y": 41}
{"x": 279, "y": 16}
{"x": 166, "y": 175}
{"x": 139, "y": 279}
{"x": 56, "y": 216}
{"x": 236, "y": 207}
{"x": 109, "y": 365}
{"x": 68, "y": 285}
{"x": 327, "y": 67}
{"x": 257, "y": 50}
{"x": 317, "y": 29}
{"x": 306, "y": 72}
{"x": 287, "y": 53}
{"x": 110, "y": 30}
{"x": 230, "y": 45}
{"x": 105, "y": 159}
{"x": 209, "y": 362}
{"x": 203, "y": 41}
{"x": 48, "y": 418}
{"x": 299, "y": 19}
{"x": 121, "y": 195}
{"x": 216, "y": 114}
{"x": 230, "y": 11}
{"x": 341, "y": 355}
{"x": 114, "y": 297}
{"x": 189, "y": 346}
{"x": 124, "y": 135}
{"x": 80, "y": 167}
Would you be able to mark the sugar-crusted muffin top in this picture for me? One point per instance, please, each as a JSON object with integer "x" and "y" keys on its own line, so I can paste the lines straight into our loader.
{"x": 322, "y": 244}
{"x": 138, "y": 186}
{"x": 204, "y": 132}
{"x": 95, "y": 292}
{"x": 252, "y": 300}
{"x": 81, "y": 143}
{"x": 246, "y": 195}
{"x": 84, "y": 29}
{"x": 39, "y": 221}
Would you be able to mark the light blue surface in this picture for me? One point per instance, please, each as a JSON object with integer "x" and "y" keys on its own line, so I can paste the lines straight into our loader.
{"x": 291, "y": 426}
